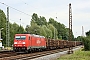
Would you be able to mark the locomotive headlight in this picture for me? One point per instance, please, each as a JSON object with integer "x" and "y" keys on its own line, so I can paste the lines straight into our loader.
{"x": 15, "y": 42}
{"x": 23, "y": 42}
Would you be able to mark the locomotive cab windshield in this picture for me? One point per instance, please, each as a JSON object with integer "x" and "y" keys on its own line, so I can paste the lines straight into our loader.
{"x": 20, "y": 37}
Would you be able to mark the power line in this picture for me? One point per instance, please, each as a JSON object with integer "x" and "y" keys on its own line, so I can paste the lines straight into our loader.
{"x": 15, "y": 9}
{"x": 17, "y": 21}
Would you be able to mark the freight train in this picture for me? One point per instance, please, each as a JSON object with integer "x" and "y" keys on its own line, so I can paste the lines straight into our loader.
{"x": 32, "y": 42}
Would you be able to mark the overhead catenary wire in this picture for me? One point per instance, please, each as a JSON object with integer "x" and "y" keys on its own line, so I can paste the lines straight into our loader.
{"x": 17, "y": 21}
{"x": 15, "y": 9}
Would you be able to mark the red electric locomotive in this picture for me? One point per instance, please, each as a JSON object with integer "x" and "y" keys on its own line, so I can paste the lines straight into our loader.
{"x": 29, "y": 42}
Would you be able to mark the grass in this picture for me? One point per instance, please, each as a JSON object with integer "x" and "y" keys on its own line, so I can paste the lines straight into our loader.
{"x": 77, "y": 55}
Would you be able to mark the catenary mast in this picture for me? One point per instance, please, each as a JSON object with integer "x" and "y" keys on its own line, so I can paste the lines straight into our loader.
{"x": 70, "y": 28}
{"x": 7, "y": 29}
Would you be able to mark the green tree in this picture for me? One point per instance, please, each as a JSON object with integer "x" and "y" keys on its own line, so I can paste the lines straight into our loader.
{"x": 27, "y": 28}
{"x": 67, "y": 33}
{"x": 3, "y": 25}
{"x": 35, "y": 18}
{"x": 42, "y": 31}
{"x": 62, "y": 31}
{"x": 20, "y": 30}
{"x": 53, "y": 30}
{"x": 86, "y": 41}
{"x": 48, "y": 32}
{"x": 79, "y": 38}
{"x": 39, "y": 21}
{"x": 15, "y": 29}
{"x": 88, "y": 33}
{"x": 42, "y": 21}
{"x": 34, "y": 29}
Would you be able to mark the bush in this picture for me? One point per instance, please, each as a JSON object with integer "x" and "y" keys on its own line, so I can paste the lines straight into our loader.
{"x": 86, "y": 42}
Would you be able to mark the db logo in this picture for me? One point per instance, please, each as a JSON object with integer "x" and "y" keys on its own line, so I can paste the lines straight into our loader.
{"x": 38, "y": 41}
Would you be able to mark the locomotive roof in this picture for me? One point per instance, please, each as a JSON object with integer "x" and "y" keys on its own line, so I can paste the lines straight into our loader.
{"x": 33, "y": 35}
{"x": 37, "y": 35}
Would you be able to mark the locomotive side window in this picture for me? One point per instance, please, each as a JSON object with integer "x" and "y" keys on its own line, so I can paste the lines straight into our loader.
{"x": 29, "y": 37}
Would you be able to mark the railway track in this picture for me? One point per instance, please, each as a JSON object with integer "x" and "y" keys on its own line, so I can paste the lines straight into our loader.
{"x": 42, "y": 54}
{"x": 30, "y": 55}
{"x": 7, "y": 54}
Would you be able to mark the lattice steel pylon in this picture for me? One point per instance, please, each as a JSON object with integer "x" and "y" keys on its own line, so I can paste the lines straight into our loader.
{"x": 7, "y": 28}
{"x": 70, "y": 23}
{"x": 70, "y": 29}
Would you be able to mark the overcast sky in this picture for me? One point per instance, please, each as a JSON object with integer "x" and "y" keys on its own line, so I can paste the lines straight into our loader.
{"x": 50, "y": 8}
